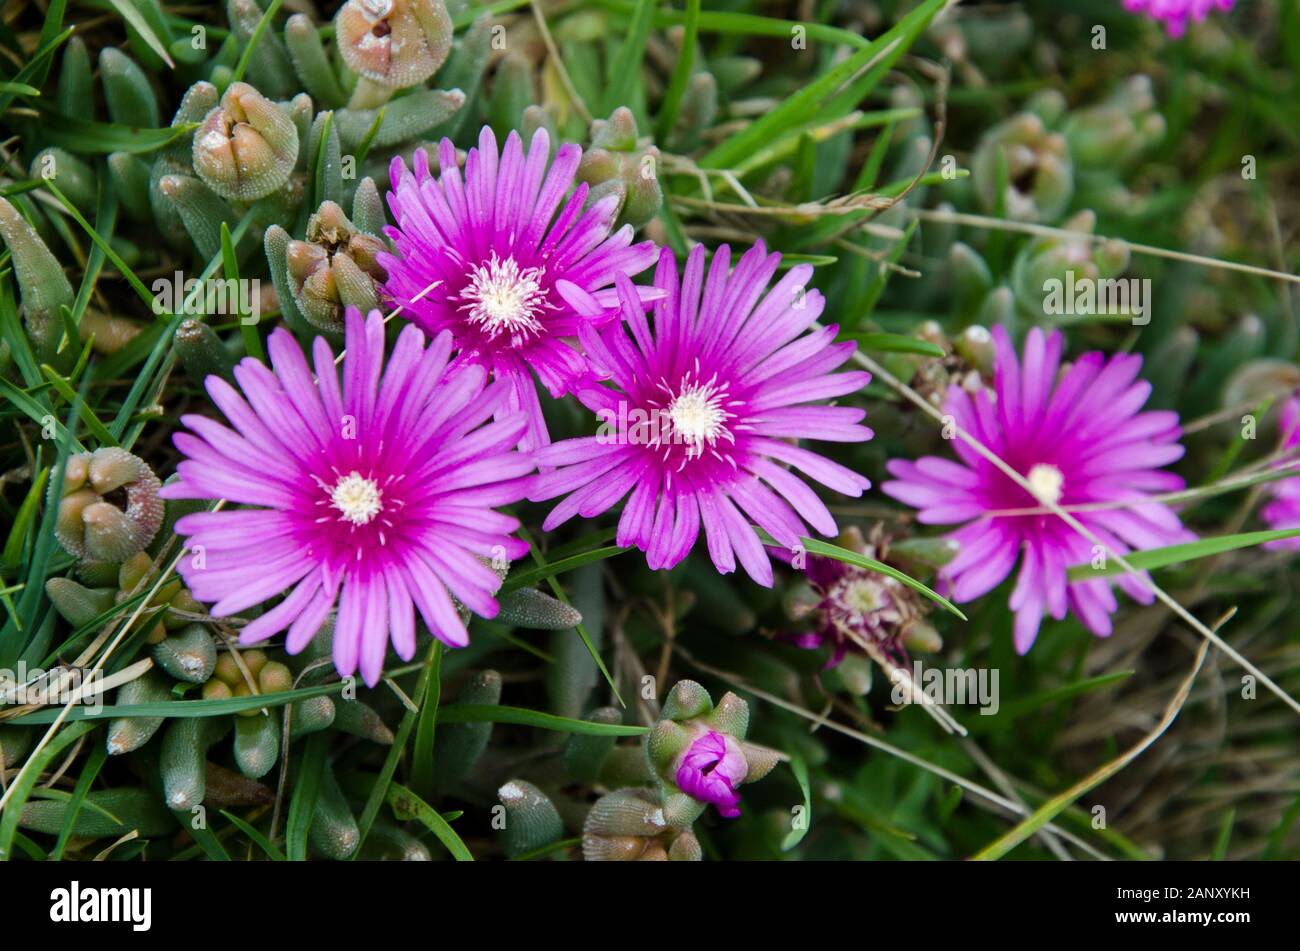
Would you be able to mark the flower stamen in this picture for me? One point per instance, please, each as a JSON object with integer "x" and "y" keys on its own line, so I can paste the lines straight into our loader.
{"x": 503, "y": 298}
{"x": 357, "y": 498}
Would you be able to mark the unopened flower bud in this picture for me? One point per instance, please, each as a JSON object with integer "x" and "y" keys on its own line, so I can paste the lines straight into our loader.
{"x": 1039, "y": 173}
{"x": 335, "y": 268}
{"x": 628, "y": 825}
{"x": 698, "y": 754}
{"x": 394, "y": 43}
{"x": 246, "y": 147}
{"x": 711, "y": 769}
{"x": 621, "y": 164}
{"x": 110, "y": 508}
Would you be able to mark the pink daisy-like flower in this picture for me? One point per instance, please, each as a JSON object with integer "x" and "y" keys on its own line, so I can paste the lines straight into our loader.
{"x": 699, "y": 425}
{"x": 377, "y": 494}
{"x": 1283, "y": 509}
{"x": 1078, "y": 439}
{"x": 1175, "y": 14}
{"x": 522, "y": 266}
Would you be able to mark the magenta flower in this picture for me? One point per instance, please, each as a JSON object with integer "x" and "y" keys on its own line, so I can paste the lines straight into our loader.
{"x": 699, "y": 424}
{"x": 1077, "y": 440}
{"x": 710, "y": 770}
{"x": 1283, "y": 510}
{"x": 522, "y": 267}
{"x": 1175, "y": 14}
{"x": 377, "y": 495}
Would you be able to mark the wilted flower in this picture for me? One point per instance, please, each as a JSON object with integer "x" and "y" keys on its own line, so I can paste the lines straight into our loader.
{"x": 376, "y": 495}
{"x": 1283, "y": 511}
{"x": 1080, "y": 439}
{"x": 852, "y": 607}
{"x": 110, "y": 508}
{"x": 517, "y": 278}
{"x": 246, "y": 147}
{"x": 1175, "y": 14}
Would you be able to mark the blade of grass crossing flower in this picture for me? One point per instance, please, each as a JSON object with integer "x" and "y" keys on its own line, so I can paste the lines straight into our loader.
{"x": 547, "y": 570}
{"x": 1178, "y": 554}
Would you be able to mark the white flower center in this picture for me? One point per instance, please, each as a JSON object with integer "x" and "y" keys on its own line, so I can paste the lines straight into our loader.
{"x": 357, "y": 498}
{"x": 501, "y": 298}
{"x": 697, "y": 416}
{"x": 1046, "y": 481}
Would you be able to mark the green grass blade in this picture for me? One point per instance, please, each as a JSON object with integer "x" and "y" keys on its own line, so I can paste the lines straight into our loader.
{"x": 405, "y": 802}
{"x": 1177, "y": 554}
{"x": 493, "y": 713}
